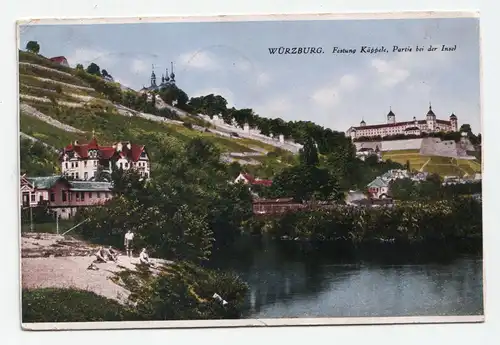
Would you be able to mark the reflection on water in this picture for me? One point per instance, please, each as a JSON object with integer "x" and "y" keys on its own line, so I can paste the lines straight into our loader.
{"x": 291, "y": 286}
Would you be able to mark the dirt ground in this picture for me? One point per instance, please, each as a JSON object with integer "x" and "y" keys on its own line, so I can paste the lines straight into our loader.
{"x": 49, "y": 260}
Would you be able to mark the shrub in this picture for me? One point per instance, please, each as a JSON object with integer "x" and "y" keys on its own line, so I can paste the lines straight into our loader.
{"x": 71, "y": 305}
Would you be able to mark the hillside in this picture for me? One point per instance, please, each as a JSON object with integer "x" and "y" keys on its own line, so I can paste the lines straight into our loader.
{"x": 444, "y": 166}
{"x": 58, "y": 106}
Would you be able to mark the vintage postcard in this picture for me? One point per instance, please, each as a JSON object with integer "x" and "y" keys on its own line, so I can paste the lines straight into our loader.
{"x": 250, "y": 171}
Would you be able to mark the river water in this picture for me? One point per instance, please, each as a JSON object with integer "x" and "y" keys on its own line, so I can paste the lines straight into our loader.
{"x": 285, "y": 285}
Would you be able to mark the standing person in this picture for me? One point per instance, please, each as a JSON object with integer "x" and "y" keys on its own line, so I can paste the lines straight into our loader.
{"x": 129, "y": 236}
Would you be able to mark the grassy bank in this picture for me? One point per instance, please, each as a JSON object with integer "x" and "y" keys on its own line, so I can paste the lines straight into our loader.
{"x": 70, "y": 305}
{"x": 180, "y": 292}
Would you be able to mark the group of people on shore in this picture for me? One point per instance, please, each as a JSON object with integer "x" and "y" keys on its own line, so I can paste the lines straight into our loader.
{"x": 106, "y": 254}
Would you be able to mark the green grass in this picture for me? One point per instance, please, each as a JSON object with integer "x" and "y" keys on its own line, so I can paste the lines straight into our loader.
{"x": 439, "y": 165}
{"x": 112, "y": 127}
{"x": 51, "y": 228}
{"x": 398, "y": 152}
{"x": 43, "y": 73}
{"x": 47, "y": 133}
{"x": 70, "y": 305}
{"x": 30, "y": 80}
{"x": 43, "y": 61}
{"x": 39, "y": 92}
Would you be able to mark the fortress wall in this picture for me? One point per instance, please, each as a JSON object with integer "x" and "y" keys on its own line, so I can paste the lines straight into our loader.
{"x": 368, "y": 144}
{"x": 408, "y": 144}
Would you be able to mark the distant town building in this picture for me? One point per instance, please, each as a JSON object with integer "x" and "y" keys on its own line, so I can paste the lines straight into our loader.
{"x": 250, "y": 180}
{"x": 81, "y": 161}
{"x": 60, "y": 60}
{"x": 366, "y": 152}
{"x": 378, "y": 188}
{"x": 416, "y": 127}
{"x": 61, "y": 195}
{"x": 166, "y": 80}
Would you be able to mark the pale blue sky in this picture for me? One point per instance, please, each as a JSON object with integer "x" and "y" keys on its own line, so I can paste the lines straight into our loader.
{"x": 336, "y": 91}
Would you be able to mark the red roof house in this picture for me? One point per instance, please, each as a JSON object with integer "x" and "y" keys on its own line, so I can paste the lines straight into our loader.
{"x": 82, "y": 159}
{"x": 249, "y": 179}
{"x": 60, "y": 60}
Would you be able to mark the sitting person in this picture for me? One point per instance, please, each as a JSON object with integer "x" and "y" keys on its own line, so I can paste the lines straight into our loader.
{"x": 106, "y": 254}
{"x": 112, "y": 254}
{"x": 144, "y": 258}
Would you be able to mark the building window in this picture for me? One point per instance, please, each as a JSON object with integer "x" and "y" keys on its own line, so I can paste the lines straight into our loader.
{"x": 52, "y": 197}
{"x": 90, "y": 195}
{"x": 76, "y": 175}
{"x": 64, "y": 196}
{"x": 98, "y": 195}
{"x": 121, "y": 165}
{"x": 32, "y": 197}
{"x": 95, "y": 163}
{"x": 85, "y": 164}
{"x": 85, "y": 175}
{"x": 72, "y": 175}
{"x": 40, "y": 198}
{"x": 66, "y": 165}
{"x": 76, "y": 164}
{"x": 72, "y": 164}
{"x": 82, "y": 196}
{"x": 126, "y": 165}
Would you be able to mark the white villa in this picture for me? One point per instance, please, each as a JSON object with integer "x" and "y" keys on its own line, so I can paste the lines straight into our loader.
{"x": 81, "y": 161}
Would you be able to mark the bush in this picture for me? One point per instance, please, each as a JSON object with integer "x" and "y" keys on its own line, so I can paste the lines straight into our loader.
{"x": 71, "y": 305}
{"x": 185, "y": 292}
{"x": 409, "y": 222}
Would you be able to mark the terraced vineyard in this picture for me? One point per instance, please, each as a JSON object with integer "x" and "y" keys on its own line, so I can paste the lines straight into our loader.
{"x": 434, "y": 164}
{"x": 59, "y": 93}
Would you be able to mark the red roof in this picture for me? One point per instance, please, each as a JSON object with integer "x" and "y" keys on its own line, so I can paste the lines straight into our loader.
{"x": 106, "y": 152}
{"x": 58, "y": 59}
{"x": 257, "y": 181}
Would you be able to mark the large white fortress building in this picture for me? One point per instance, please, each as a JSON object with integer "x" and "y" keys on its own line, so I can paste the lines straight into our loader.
{"x": 416, "y": 127}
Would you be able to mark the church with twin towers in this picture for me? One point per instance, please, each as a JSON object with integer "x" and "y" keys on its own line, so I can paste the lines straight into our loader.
{"x": 166, "y": 80}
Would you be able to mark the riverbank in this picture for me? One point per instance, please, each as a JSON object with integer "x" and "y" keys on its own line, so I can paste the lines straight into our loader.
{"x": 55, "y": 267}
{"x": 447, "y": 223}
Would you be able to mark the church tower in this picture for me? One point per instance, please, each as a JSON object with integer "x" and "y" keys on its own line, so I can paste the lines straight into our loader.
{"x": 153, "y": 77}
{"x": 172, "y": 75}
{"x": 454, "y": 123}
{"x": 167, "y": 78}
{"x": 431, "y": 119}
{"x": 391, "y": 117}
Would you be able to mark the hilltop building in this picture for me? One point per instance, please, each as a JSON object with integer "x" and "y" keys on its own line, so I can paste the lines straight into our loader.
{"x": 166, "y": 80}
{"x": 416, "y": 127}
{"x": 60, "y": 60}
{"x": 81, "y": 161}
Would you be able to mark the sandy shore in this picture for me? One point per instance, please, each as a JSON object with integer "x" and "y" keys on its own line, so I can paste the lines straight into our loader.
{"x": 54, "y": 261}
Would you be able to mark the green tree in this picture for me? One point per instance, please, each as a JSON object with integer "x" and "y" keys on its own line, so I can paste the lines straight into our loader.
{"x": 33, "y": 47}
{"x": 94, "y": 69}
{"x": 79, "y": 67}
{"x": 309, "y": 153}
